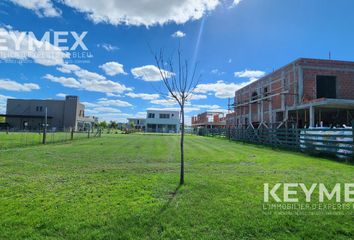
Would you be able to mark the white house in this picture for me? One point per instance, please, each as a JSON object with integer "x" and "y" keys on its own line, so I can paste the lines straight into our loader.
{"x": 163, "y": 121}
{"x": 136, "y": 123}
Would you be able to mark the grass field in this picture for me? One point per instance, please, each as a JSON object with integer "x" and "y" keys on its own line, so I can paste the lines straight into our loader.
{"x": 125, "y": 187}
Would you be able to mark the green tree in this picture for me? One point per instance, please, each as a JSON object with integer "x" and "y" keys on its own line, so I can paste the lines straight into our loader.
{"x": 103, "y": 124}
{"x": 113, "y": 124}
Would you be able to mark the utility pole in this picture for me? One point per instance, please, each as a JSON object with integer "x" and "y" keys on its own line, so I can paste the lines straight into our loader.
{"x": 45, "y": 126}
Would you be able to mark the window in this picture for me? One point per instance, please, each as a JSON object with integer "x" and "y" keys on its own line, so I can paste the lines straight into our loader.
{"x": 151, "y": 115}
{"x": 326, "y": 87}
{"x": 279, "y": 116}
{"x": 265, "y": 91}
{"x": 164, "y": 115}
{"x": 39, "y": 109}
{"x": 254, "y": 95}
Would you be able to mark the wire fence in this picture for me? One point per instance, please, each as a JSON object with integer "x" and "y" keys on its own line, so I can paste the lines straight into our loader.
{"x": 14, "y": 139}
{"x": 337, "y": 142}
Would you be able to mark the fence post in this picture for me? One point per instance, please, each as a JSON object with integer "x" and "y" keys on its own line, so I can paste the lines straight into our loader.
{"x": 44, "y": 140}
{"x": 229, "y": 132}
{"x": 88, "y": 133}
{"x": 72, "y": 134}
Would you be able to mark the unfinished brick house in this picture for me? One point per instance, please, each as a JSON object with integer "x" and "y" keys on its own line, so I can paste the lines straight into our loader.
{"x": 304, "y": 93}
{"x": 209, "y": 119}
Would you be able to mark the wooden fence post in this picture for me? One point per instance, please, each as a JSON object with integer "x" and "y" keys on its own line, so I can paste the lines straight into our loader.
{"x": 72, "y": 134}
{"x": 88, "y": 133}
{"x": 44, "y": 139}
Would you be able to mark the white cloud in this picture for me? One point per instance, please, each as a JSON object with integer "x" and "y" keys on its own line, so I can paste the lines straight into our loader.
{"x": 217, "y": 71}
{"x": 68, "y": 68}
{"x": 87, "y": 75}
{"x": 178, "y": 34}
{"x": 147, "y": 13}
{"x": 221, "y": 89}
{"x": 62, "y": 95}
{"x": 66, "y": 82}
{"x": 206, "y": 106}
{"x": 89, "y": 81}
{"x": 10, "y": 85}
{"x": 107, "y": 110}
{"x": 149, "y": 73}
{"x": 105, "y": 86}
{"x": 186, "y": 109}
{"x": 106, "y": 104}
{"x": 108, "y": 47}
{"x": 251, "y": 74}
{"x": 115, "y": 103}
{"x": 236, "y": 2}
{"x": 165, "y": 102}
{"x": 144, "y": 96}
{"x": 3, "y": 100}
{"x": 112, "y": 95}
{"x": 39, "y": 52}
{"x": 113, "y": 68}
{"x": 43, "y": 8}
{"x": 90, "y": 105}
{"x": 197, "y": 97}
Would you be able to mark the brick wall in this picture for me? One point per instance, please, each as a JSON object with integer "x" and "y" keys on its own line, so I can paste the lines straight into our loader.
{"x": 289, "y": 79}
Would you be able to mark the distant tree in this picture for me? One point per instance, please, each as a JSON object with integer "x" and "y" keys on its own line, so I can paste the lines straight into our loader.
{"x": 2, "y": 119}
{"x": 180, "y": 80}
{"x": 113, "y": 124}
{"x": 103, "y": 124}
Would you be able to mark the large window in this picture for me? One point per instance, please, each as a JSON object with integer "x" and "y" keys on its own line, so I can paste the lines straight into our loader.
{"x": 326, "y": 87}
{"x": 151, "y": 115}
{"x": 164, "y": 115}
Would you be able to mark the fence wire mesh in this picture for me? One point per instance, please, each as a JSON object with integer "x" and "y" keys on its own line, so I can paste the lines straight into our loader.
{"x": 14, "y": 139}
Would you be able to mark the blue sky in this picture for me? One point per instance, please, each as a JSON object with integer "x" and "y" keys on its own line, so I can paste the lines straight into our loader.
{"x": 234, "y": 42}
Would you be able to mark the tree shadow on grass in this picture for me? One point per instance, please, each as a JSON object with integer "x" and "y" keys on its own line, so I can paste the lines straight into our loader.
{"x": 155, "y": 220}
{"x": 172, "y": 196}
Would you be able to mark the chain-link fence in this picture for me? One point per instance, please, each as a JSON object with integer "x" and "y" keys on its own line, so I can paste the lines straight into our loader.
{"x": 14, "y": 139}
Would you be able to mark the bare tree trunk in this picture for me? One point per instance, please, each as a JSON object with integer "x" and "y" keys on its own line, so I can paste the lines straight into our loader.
{"x": 181, "y": 181}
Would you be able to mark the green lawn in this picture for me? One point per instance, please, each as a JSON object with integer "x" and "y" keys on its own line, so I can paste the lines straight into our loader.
{"x": 125, "y": 187}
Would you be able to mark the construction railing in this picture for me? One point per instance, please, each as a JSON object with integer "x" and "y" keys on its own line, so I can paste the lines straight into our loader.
{"x": 13, "y": 139}
{"x": 336, "y": 142}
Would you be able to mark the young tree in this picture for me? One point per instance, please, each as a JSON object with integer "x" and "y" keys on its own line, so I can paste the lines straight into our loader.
{"x": 180, "y": 81}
